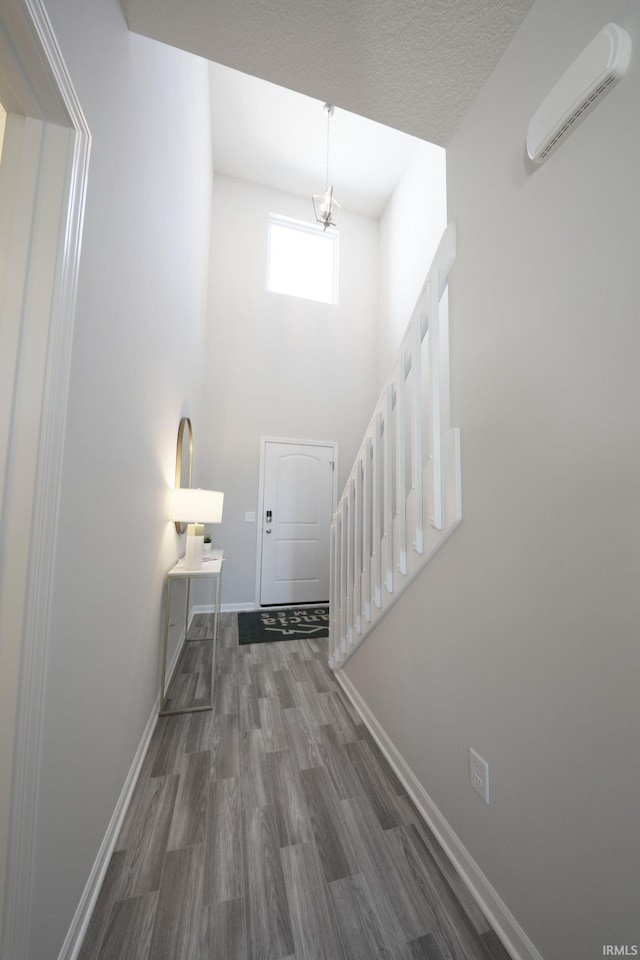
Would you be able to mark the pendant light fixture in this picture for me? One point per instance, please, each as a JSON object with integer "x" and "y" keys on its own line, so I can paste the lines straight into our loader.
{"x": 325, "y": 206}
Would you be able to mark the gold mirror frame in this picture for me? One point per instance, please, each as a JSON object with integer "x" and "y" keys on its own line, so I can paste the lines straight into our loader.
{"x": 185, "y": 424}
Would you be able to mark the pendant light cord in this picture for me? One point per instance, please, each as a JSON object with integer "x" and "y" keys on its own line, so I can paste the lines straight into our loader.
{"x": 329, "y": 112}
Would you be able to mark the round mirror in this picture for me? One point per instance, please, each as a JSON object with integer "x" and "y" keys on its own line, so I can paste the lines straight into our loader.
{"x": 184, "y": 460}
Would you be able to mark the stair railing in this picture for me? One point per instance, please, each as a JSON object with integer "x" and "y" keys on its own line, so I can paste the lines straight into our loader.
{"x": 402, "y": 499}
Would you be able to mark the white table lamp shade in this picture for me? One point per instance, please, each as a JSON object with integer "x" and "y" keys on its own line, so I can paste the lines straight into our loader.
{"x": 196, "y": 506}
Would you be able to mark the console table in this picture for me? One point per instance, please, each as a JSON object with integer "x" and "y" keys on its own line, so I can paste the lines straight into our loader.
{"x": 211, "y": 570}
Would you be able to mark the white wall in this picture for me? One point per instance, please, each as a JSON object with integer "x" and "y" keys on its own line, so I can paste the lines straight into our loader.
{"x": 410, "y": 230}
{"x": 136, "y": 369}
{"x": 277, "y": 365}
{"x": 521, "y": 636}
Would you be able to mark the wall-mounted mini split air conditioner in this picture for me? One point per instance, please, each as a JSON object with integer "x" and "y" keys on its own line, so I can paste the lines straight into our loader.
{"x": 587, "y": 81}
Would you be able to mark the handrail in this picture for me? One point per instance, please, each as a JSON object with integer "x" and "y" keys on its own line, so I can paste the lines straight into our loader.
{"x": 380, "y": 537}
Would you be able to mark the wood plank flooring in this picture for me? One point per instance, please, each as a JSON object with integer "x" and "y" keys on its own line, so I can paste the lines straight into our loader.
{"x": 272, "y": 828}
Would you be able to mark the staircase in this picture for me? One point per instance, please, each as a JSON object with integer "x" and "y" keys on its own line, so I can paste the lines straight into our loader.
{"x": 402, "y": 498}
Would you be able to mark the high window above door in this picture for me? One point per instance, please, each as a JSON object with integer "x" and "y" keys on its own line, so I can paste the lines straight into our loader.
{"x": 302, "y": 260}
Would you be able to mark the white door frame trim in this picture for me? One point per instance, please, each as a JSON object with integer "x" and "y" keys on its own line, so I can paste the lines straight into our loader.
{"x": 334, "y": 492}
{"x": 56, "y": 148}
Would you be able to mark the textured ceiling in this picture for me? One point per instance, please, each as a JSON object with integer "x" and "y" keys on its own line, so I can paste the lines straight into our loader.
{"x": 415, "y": 65}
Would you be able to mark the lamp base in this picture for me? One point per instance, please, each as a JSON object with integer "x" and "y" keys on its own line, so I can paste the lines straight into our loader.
{"x": 193, "y": 548}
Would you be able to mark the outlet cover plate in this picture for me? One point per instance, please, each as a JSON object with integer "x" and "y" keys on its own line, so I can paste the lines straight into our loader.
{"x": 479, "y": 774}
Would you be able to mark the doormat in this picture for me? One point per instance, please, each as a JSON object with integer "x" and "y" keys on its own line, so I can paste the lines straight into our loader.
{"x": 265, "y": 626}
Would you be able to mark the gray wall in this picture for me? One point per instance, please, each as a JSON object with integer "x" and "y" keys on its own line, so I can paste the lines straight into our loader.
{"x": 276, "y": 365}
{"x": 521, "y": 636}
{"x": 136, "y": 369}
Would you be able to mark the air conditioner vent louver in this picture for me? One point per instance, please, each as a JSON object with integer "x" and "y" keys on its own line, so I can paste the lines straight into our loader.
{"x": 587, "y": 81}
{"x": 565, "y": 129}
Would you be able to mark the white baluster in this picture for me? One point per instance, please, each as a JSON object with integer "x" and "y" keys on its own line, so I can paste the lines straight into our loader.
{"x": 357, "y": 573}
{"x": 401, "y": 463}
{"x": 338, "y": 591}
{"x": 433, "y": 301}
{"x": 350, "y": 559}
{"x": 376, "y": 558}
{"x": 332, "y": 592}
{"x": 389, "y": 467}
{"x": 367, "y": 539}
{"x": 416, "y": 452}
{"x": 343, "y": 574}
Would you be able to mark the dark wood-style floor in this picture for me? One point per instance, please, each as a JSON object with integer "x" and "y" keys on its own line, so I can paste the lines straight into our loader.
{"x": 273, "y": 827}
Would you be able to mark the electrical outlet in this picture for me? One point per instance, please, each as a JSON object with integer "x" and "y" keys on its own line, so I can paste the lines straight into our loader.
{"x": 479, "y": 774}
{"x": 249, "y": 517}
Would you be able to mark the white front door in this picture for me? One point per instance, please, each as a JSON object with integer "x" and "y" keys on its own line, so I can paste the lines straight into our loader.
{"x": 298, "y": 497}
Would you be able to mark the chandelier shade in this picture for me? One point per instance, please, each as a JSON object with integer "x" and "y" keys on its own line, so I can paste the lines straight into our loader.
{"x": 326, "y": 208}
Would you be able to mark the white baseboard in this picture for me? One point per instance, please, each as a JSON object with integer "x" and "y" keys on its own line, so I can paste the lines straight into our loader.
{"x": 77, "y": 930}
{"x": 224, "y": 608}
{"x": 507, "y": 928}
